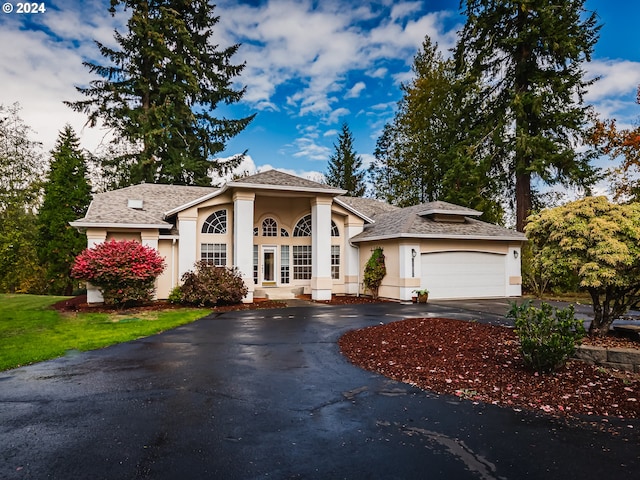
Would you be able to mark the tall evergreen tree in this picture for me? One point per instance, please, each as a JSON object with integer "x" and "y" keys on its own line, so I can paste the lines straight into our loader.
{"x": 430, "y": 151}
{"x": 528, "y": 55}
{"x": 21, "y": 167}
{"x": 345, "y": 166}
{"x": 67, "y": 195}
{"x": 159, "y": 91}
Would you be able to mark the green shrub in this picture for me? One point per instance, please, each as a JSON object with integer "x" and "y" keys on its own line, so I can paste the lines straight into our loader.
{"x": 374, "y": 272}
{"x": 548, "y": 337}
{"x": 210, "y": 285}
{"x": 176, "y": 295}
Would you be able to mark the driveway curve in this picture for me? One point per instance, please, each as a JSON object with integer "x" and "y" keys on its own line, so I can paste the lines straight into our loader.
{"x": 267, "y": 394}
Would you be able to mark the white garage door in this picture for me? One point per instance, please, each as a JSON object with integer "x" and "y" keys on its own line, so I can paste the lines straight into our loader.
{"x": 464, "y": 274}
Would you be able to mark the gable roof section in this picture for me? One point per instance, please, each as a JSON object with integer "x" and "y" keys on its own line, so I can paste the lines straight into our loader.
{"x": 276, "y": 180}
{"x": 408, "y": 223}
{"x": 110, "y": 209}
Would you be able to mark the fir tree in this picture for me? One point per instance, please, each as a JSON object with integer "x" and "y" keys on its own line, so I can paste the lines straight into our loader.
{"x": 345, "y": 166}
{"x": 67, "y": 195}
{"x": 159, "y": 90}
{"x": 427, "y": 152}
{"x": 528, "y": 55}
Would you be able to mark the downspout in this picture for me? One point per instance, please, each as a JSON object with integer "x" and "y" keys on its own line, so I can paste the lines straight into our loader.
{"x": 173, "y": 264}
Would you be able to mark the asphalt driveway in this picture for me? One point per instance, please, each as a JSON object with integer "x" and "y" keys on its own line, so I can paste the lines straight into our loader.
{"x": 266, "y": 394}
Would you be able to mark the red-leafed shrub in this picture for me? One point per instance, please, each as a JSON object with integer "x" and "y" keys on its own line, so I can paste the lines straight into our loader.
{"x": 124, "y": 271}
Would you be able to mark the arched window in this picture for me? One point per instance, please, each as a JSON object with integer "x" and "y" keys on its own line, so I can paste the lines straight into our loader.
{"x": 255, "y": 231}
{"x": 303, "y": 227}
{"x": 334, "y": 229}
{"x": 269, "y": 228}
{"x": 216, "y": 222}
{"x": 284, "y": 232}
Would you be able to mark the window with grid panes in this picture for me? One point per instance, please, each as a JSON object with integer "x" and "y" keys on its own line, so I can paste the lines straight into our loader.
{"x": 214, "y": 254}
{"x": 302, "y": 262}
{"x": 216, "y": 223}
{"x": 269, "y": 228}
{"x": 303, "y": 227}
{"x": 335, "y": 262}
{"x": 255, "y": 264}
{"x": 284, "y": 264}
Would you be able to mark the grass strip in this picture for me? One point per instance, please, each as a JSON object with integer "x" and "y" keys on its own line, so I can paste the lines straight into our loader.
{"x": 30, "y": 331}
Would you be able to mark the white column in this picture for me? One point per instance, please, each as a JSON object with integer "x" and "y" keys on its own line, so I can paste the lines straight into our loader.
{"x": 351, "y": 260}
{"x": 321, "y": 282}
{"x": 410, "y": 271}
{"x": 187, "y": 244}
{"x": 243, "y": 239}
{"x": 513, "y": 268}
{"x": 95, "y": 237}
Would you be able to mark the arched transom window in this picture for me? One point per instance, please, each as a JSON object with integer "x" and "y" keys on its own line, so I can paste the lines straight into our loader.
{"x": 334, "y": 229}
{"x": 216, "y": 222}
{"x": 303, "y": 227}
{"x": 269, "y": 228}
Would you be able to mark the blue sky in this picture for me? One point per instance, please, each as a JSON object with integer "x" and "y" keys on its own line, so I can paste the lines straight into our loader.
{"x": 311, "y": 65}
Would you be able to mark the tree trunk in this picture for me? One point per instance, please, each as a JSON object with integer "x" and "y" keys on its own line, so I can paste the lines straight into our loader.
{"x": 523, "y": 199}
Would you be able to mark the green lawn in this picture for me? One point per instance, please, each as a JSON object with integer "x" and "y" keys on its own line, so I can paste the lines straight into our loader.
{"x": 31, "y": 332}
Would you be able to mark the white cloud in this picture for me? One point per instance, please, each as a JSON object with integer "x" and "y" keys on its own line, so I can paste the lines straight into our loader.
{"x": 307, "y": 48}
{"x": 356, "y": 90}
{"x": 309, "y": 149}
{"x": 617, "y": 77}
{"x": 336, "y": 114}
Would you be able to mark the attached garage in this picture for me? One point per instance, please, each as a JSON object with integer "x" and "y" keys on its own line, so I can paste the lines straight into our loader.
{"x": 464, "y": 274}
{"x": 444, "y": 248}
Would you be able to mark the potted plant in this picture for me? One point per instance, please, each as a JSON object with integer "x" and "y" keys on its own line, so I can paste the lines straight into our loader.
{"x": 423, "y": 295}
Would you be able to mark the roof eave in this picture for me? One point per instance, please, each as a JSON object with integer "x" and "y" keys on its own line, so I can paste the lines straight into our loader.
{"x": 509, "y": 238}
{"x": 79, "y": 224}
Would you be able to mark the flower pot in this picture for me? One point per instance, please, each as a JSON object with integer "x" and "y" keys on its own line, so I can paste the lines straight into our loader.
{"x": 423, "y": 298}
{"x": 414, "y": 299}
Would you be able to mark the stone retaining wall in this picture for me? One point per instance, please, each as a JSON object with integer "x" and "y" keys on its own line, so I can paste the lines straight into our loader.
{"x": 620, "y": 358}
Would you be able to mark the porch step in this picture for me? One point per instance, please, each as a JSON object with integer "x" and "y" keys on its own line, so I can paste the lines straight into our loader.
{"x": 279, "y": 293}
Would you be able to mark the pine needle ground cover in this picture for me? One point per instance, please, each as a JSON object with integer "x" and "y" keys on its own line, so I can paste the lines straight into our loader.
{"x": 32, "y": 332}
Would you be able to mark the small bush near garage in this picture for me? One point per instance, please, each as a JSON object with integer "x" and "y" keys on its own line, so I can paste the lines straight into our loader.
{"x": 548, "y": 336}
{"x": 209, "y": 285}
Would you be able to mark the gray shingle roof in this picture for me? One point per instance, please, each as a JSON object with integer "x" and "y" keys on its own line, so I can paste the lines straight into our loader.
{"x": 407, "y": 222}
{"x": 368, "y": 206}
{"x": 111, "y": 207}
{"x": 276, "y": 178}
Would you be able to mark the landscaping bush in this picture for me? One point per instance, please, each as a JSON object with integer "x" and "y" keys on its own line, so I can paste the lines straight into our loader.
{"x": 374, "y": 272}
{"x": 210, "y": 285}
{"x": 124, "y": 271}
{"x": 548, "y": 337}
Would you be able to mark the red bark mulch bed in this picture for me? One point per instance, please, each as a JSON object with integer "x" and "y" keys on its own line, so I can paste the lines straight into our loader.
{"x": 79, "y": 304}
{"x": 482, "y": 363}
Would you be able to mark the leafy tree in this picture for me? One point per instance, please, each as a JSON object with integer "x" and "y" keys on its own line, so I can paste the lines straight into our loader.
{"x": 374, "y": 272}
{"x": 528, "y": 56}
{"x": 345, "y": 166}
{"x": 599, "y": 242}
{"x": 159, "y": 90}
{"x": 125, "y": 271}
{"x": 430, "y": 151}
{"x": 67, "y": 195}
{"x": 21, "y": 167}
{"x": 623, "y": 143}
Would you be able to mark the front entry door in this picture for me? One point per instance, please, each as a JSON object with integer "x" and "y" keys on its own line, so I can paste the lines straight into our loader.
{"x": 269, "y": 266}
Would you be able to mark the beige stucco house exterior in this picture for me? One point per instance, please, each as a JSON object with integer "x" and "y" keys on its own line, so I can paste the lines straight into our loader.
{"x": 285, "y": 233}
